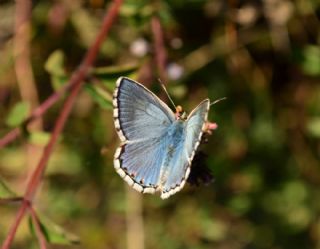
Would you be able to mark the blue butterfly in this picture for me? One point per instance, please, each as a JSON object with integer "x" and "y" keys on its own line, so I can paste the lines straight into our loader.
{"x": 157, "y": 146}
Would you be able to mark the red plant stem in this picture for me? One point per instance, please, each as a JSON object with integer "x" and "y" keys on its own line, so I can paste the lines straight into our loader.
{"x": 159, "y": 48}
{"x": 66, "y": 109}
{"x": 77, "y": 81}
{"x": 37, "y": 112}
{"x": 86, "y": 63}
{"x": 39, "y": 233}
{"x": 10, "y": 136}
{"x": 6, "y": 244}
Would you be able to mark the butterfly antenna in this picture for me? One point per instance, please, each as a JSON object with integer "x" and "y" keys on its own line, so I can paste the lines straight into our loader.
{"x": 165, "y": 90}
{"x": 218, "y": 100}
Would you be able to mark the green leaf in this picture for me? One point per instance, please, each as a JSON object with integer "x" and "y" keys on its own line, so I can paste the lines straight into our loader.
{"x": 5, "y": 191}
{"x": 58, "y": 81}
{"x": 18, "y": 114}
{"x": 54, "y": 233}
{"x": 55, "y": 67}
{"x": 311, "y": 60}
{"x": 114, "y": 71}
{"x": 109, "y": 75}
{"x": 99, "y": 95}
{"x": 39, "y": 137}
{"x": 313, "y": 127}
{"x": 85, "y": 26}
{"x": 129, "y": 9}
{"x": 55, "y": 63}
{"x": 137, "y": 10}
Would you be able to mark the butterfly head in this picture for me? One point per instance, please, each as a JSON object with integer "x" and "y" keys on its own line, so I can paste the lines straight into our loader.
{"x": 180, "y": 113}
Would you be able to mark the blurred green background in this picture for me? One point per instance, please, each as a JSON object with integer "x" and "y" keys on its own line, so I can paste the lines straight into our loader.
{"x": 264, "y": 56}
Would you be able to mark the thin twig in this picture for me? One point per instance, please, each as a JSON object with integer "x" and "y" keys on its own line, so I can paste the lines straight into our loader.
{"x": 21, "y": 212}
{"x": 134, "y": 217}
{"x": 11, "y": 200}
{"x": 36, "y": 113}
{"x": 21, "y": 43}
{"x": 24, "y": 73}
{"x": 51, "y": 100}
{"x": 9, "y": 137}
{"x": 159, "y": 48}
{"x": 77, "y": 81}
{"x": 40, "y": 236}
{"x": 36, "y": 177}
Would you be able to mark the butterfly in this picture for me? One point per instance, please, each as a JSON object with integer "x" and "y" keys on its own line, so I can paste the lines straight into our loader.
{"x": 157, "y": 145}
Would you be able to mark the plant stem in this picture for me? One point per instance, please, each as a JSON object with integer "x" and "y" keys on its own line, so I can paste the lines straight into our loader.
{"x": 41, "y": 238}
{"x": 76, "y": 81}
{"x": 12, "y": 232}
{"x": 85, "y": 65}
{"x": 159, "y": 48}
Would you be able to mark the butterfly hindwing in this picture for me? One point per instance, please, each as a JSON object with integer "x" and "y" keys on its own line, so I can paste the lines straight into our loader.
{"x": 179, "y": 169}
{"x": 141, "y": 162}
{"x": 195, "y": 126}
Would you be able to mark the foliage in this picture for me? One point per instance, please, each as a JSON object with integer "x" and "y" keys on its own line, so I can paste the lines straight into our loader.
{"x": 265, "y": 156}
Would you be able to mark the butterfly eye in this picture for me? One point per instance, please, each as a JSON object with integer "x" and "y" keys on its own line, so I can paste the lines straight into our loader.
{"x": 179, "y": 109}
{"x": 179, "y": 112}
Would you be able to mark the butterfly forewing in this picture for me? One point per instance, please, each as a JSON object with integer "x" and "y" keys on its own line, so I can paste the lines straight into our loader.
{"x": 141, "y": 120}
{"x": 138, "y": 113}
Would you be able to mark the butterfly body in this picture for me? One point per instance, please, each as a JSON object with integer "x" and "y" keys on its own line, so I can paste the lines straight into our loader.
{"x": 157, "y": 146}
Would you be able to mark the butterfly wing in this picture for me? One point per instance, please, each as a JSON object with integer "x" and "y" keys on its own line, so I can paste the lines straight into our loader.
{"x": 179, "y": 169}
{"x": 138, "y": 113}
{"x": 141, "y": 120}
